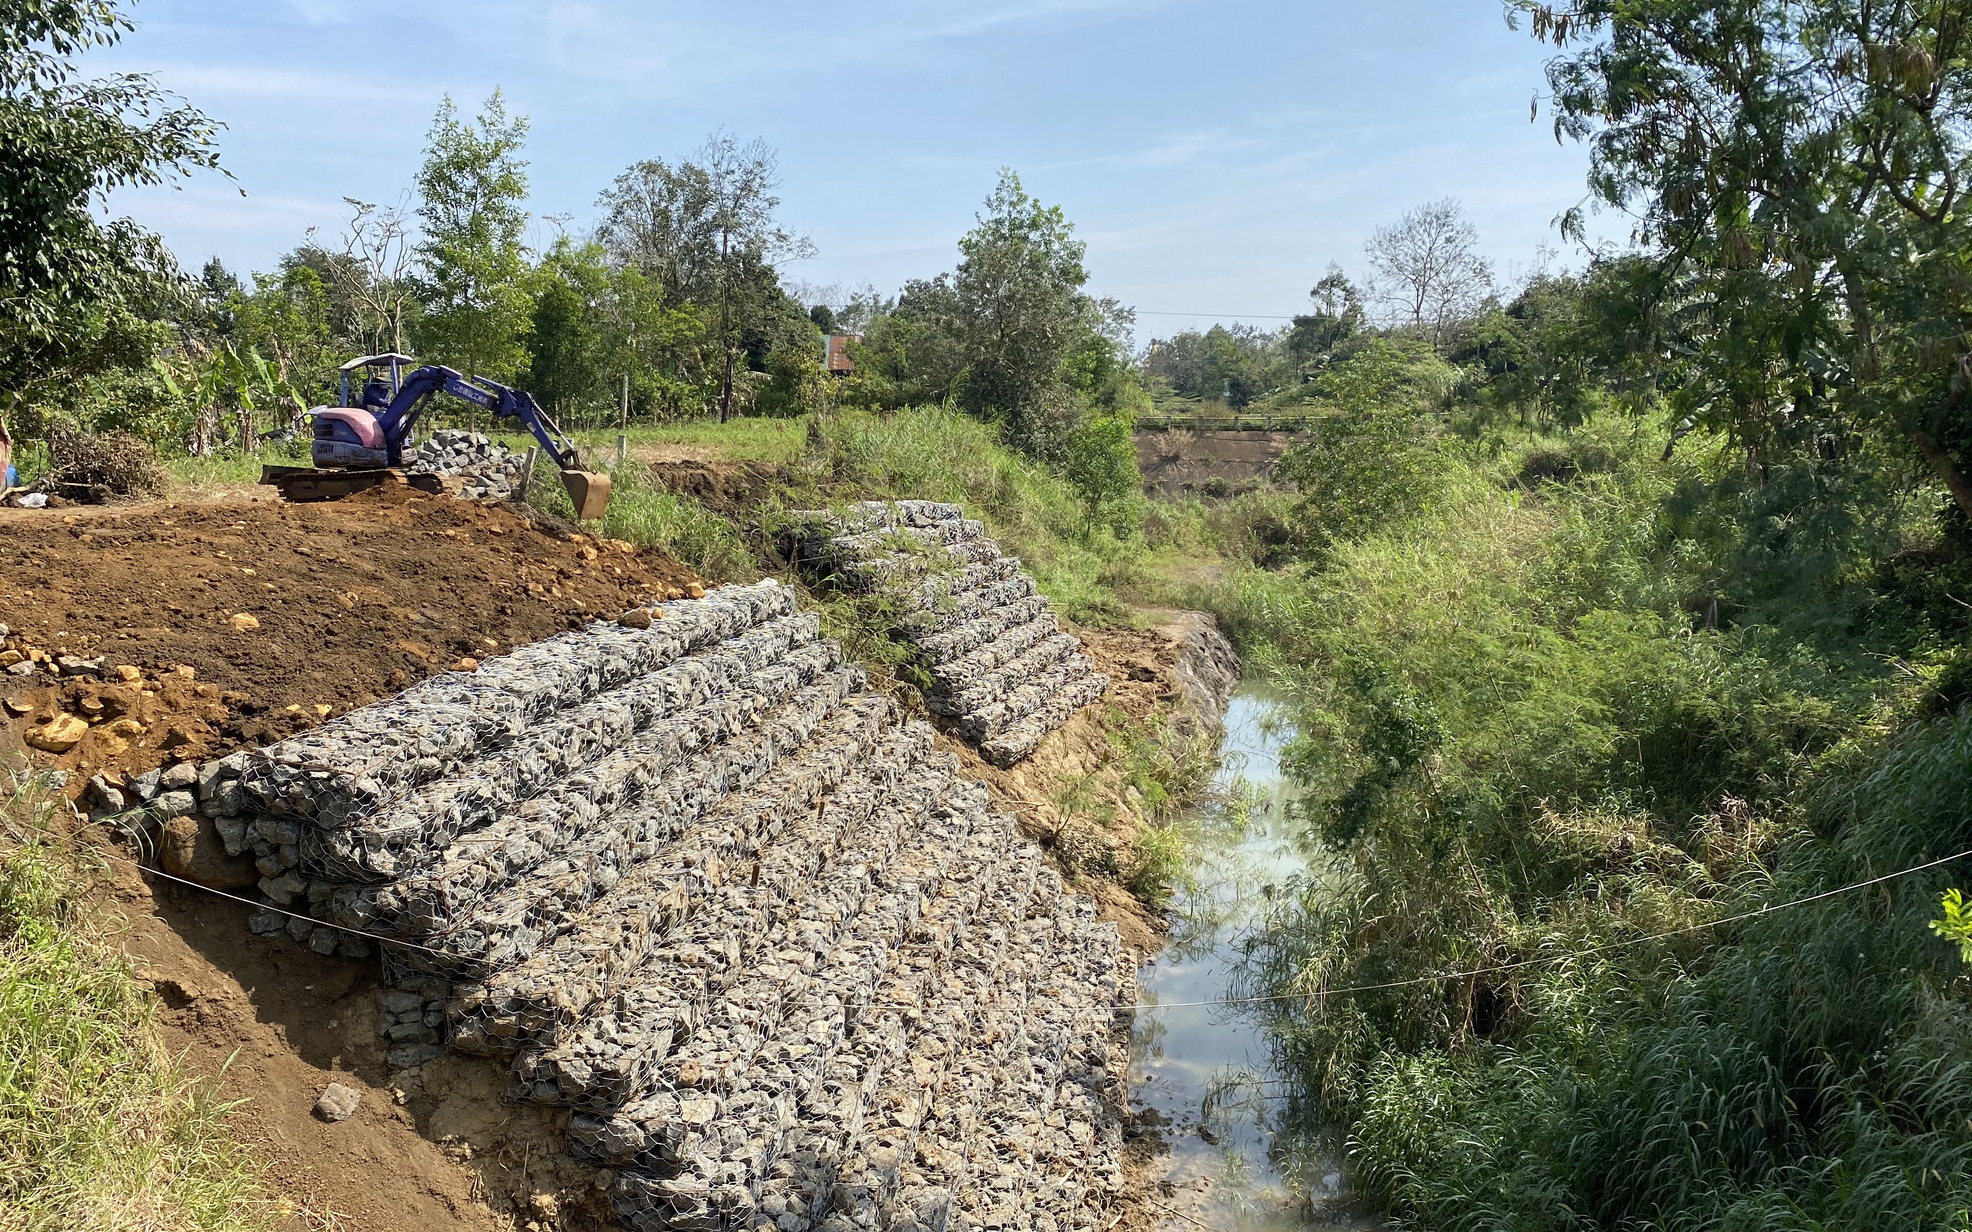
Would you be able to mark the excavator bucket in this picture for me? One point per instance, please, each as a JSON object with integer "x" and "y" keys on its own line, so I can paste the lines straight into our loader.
{"x": 588, "y": 491}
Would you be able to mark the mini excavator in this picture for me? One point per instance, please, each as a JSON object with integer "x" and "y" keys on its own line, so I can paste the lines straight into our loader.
{"x": 360, "y": 445}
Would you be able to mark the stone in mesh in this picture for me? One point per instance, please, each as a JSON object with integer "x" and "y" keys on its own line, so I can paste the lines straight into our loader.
{"x": 352, "y": 764}
{"x": 597, "y": 800}
{"x": 801, "y": 960}
{"x": 412, "y": 829}
{"x": 605, "y": 1062}
{"x": 1002, "y": 670}
{"x": 776, "y": 835}
{"x": 485, "y": 931}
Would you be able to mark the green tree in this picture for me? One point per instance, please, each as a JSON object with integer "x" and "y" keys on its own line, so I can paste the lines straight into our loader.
{"x": 1009, "y": 335}
{"x": 1020, "y": 306}
{"x": 1796, "y": 168}
{"x": 472, "y": 265}
{"x": 286, "y": 317}
{"x": 81, "y": 291}
{"x": 567, "y": 359}
{"x": 707, "y": 231}
{"x": 1237, "y": 364}
{"x": 1367, "y": 465}
{"x": 1337, "y": 317}
{"x": 594, "y": 323}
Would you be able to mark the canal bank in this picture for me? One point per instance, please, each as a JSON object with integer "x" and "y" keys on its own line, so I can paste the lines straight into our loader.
{"x": 1214, "y": 1135}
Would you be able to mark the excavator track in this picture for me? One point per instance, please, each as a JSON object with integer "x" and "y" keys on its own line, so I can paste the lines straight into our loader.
{"x": 306, "y": 483}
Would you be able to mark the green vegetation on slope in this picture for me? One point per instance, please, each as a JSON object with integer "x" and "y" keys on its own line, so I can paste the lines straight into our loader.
{"x": 98, "y": 1129}
{"x": 1566, "y": 691}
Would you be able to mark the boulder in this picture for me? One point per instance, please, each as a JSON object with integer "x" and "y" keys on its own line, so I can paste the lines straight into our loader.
{"x": 190, "y": 847}
{"x": 338, "y": 1102}
{"x": 57, "y": 735}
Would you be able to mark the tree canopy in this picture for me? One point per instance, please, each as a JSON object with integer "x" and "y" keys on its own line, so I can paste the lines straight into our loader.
{"x": 80, "y": 292}
{"x": 1796, "y": 169}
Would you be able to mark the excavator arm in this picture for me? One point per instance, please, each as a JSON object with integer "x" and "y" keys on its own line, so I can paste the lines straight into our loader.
{"x": 588, "y": 491}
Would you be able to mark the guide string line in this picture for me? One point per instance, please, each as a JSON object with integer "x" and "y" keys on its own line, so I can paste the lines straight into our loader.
{"x": 1141, "y": 1006}
{"x": 1607, "y": 947}
{"x": 278, "y": 910}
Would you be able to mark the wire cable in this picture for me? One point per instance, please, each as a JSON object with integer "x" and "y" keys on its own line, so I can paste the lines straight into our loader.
{"x": 1226, "y": 316}
{"x": 279, "y": 910}
{"x": 1320, "y": 994}
{"x": 1138, "y": 1007}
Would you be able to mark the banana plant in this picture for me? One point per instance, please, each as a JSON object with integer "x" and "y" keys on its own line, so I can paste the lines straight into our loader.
{"x": 228, "y": 382}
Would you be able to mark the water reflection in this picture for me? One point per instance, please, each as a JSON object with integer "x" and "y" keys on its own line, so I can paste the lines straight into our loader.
{"x": 1202, "y": 1078}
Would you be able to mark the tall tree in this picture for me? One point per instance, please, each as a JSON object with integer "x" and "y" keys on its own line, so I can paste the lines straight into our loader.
{"x": 1336, "y": 317}
{"x": 707, "y": 230}
{"x": 1019, "y": 322}
{"x": 1429, "y": 271}
{"x": 1797, "y": 169}
{"x": 472, "y": 265}
{"x": 78, "y": 288}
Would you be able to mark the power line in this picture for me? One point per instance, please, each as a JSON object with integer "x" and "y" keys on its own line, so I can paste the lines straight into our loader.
{"x": 1236, "y": 316}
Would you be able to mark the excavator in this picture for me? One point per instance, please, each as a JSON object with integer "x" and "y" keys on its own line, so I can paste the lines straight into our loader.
{"x": 361, "y": 445}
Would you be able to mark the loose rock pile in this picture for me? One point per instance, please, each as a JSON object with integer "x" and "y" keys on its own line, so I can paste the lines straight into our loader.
{"x": 702, "y": 886}
{"x": 490, "y": 470}
{"x": 1003, "y": 672}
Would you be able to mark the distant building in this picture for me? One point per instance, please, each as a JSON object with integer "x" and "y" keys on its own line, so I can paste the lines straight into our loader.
{"x": 838, "y": 362}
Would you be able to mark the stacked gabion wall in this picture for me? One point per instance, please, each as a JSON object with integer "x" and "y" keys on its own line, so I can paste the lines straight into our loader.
{"x": 1002, "y": 671}
{"x": 485, "y": 468}
{"x": 698, "y": 884}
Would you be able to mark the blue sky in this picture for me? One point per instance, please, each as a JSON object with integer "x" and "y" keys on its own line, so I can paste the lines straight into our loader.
{"x": 1215, "y": 156}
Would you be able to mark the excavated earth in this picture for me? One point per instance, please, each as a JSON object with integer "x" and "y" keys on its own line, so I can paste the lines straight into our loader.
{"x": 349, "y": 602}
{"x": 898, "y": 1016}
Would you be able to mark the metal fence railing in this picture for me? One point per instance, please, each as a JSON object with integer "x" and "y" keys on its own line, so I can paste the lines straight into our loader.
{"x": 1251, "y": 422}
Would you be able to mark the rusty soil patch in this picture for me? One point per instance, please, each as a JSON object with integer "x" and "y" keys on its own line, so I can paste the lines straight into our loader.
{"x": 239, "y": 624}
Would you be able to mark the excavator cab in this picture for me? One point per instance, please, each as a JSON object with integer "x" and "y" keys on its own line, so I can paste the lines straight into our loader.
{"x": 377, "y": 390}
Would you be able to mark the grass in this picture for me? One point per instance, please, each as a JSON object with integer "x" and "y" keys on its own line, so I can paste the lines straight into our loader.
{"x": 98, "y": 1127}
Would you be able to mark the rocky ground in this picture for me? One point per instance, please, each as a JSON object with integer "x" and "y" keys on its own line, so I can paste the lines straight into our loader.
{"x": 478, "y": 467}
{"x": 160, "y": 637}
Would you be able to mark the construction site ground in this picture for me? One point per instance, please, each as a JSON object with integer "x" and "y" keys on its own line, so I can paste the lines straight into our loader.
{"x": 237, "y": 620}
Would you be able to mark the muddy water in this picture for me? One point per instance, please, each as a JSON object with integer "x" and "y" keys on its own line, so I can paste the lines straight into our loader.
{"x": 1201, "y": 1075}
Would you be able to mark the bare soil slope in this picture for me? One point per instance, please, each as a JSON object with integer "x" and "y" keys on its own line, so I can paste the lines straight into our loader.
{"x": 352, "y": 601}
{"x": 348, "y": 602}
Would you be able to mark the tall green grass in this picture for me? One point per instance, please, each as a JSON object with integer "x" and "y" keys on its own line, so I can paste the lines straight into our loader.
{"x": 1539, "y": 718}
{"x": 1089, "y": 570}
{"x": 98, "y": 1128}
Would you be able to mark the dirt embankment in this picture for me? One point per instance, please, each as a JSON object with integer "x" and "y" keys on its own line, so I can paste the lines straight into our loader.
{"x": 243, "y": 623}
{"x": 350, "y": 602}
{"x": 1212, "y": 463}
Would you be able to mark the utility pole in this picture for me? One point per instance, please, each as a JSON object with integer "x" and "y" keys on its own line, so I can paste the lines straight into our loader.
{"x": 623, "y": 418}
{"x": 725, "y": 322}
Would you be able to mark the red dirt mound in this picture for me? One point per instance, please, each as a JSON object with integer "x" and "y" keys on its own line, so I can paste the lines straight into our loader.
{"x": 238, "y": 624}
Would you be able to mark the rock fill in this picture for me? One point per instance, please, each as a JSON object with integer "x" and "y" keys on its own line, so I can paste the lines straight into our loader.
{"x": 486, "y": 469}
{"x": 692, "y": 879}
{"x": 1003, "y": 672}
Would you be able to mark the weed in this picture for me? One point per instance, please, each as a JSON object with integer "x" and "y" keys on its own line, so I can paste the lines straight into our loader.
{"x": 1160, "y": 855}
{"x": 98, "y": 1129}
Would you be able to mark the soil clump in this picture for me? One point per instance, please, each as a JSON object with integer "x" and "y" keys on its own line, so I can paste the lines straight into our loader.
{"x": 219, "y": 626}
{"x": 725, "y": 487}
